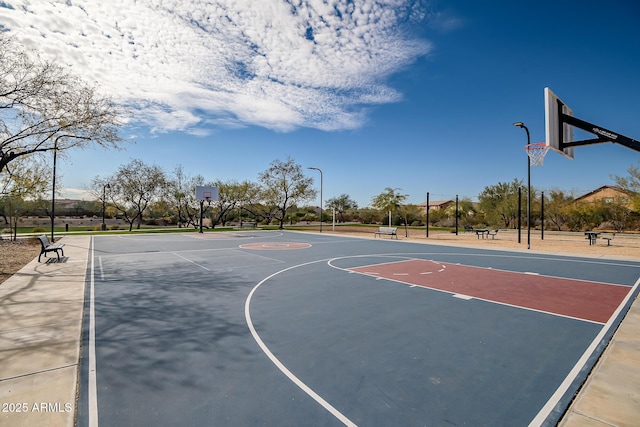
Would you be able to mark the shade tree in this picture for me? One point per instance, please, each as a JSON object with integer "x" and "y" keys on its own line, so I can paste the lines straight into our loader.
{"x": 283, "y": 185}
{"x": 131, "y": 189}
{"x": 389, "y": 200}
{"x": 341, "y": 204}
{"x": 44, "y": 107}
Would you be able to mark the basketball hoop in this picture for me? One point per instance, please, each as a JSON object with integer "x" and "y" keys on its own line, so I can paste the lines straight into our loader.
{"x": 536, "y": 152}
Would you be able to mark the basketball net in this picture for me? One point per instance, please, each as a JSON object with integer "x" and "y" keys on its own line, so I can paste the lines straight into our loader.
{"x": 536, "y": 152}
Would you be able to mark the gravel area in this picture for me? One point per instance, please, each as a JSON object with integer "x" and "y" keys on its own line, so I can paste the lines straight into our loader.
{"x": 16, "y": 254}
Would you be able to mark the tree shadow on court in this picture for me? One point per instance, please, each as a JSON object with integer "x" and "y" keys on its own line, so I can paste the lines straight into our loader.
{"x": 166, "y": 328}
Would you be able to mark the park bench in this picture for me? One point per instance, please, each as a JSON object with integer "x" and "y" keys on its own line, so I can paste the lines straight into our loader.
{"x": 492, "y": 233}
{"x": 247, "y": 225}
{"x": 47, "y": 246}
{"x": 608, "y": 238}
{"x": 389, "y": 231}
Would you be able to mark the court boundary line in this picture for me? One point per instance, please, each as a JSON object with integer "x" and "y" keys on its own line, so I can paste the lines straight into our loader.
{"x": 93, "y": 374}
{"x": 290, "y": 375}
{"x": 555, "y": 398}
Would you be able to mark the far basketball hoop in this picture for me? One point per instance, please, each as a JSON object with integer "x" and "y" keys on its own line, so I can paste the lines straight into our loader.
{"x": 207, "y": 194}
{"x": 536, "y": 152}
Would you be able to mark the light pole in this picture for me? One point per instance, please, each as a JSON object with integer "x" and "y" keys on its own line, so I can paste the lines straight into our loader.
{"x": 521, "y": 125}
{"x": 319, "y": 170}
{"x": 104, "y": 198}
{"x": 53, "y": 196}
{"x": 53, "y": 186}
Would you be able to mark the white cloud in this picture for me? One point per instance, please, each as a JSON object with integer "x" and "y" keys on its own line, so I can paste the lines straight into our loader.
{"x": 193, "y": 65}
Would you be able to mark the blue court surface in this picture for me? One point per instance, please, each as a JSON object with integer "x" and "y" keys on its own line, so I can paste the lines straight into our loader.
{"x": 290, "y": 329}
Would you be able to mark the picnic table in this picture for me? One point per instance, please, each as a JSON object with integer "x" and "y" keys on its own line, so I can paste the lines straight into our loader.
{"x": 592, "y": 236}
{"x": 485, "y": 233}
{"x": 482, "y": 232}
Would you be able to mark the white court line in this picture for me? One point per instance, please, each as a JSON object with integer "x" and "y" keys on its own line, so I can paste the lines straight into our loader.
{"x": 93, "y": 389}
{"x": 423, "y": 287}
{"x": 555, "y": 398}
{"x": 315, "y": 396}
{"x": 192, "y": 262}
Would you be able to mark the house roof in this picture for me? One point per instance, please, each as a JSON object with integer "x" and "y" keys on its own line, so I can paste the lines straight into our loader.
{"x": 435, "y": 203}
{"x": 601, "y": 189}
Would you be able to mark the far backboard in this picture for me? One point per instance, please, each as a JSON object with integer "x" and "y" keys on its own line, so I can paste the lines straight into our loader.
{"x": 209, "y": 194}
{"x": 557, "y": 132}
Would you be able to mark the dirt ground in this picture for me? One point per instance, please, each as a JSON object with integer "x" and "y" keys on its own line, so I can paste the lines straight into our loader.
{"x": 15, "y": 255}
{"x": 621, "y": 246}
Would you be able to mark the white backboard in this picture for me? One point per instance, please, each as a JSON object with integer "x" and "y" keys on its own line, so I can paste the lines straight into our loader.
{"x": 552, "y": 122}
{"x": 207, "y": 193}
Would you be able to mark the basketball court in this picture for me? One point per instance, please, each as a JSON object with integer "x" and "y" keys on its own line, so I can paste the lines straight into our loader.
{"x": 290, "y": 329}
{"x": 287, "y": 328}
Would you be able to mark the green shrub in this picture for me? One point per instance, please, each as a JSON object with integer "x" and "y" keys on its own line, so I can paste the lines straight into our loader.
{"x": 39, "y": 230}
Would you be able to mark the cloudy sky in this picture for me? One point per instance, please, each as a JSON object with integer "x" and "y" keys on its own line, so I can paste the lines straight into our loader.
{"x": 417, "y": 95}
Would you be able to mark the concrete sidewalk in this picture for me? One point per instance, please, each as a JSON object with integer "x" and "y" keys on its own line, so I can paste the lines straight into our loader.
{"x": 41, "y": 309}
{"x": 611, "y": 394}
{"x": 41, "y": 312}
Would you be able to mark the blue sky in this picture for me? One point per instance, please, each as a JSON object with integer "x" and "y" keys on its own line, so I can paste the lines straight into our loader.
{"x": 414, "y": 95}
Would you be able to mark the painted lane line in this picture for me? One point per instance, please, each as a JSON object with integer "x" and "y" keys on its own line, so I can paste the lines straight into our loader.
{"x": 506, "y": 304}
{"x": 93, "y": 389}
{"x": 315, "y": 396}
{"x": 464, "y": 297}
{"x": 555, "y": 398}
{"x": 192, "y": 262}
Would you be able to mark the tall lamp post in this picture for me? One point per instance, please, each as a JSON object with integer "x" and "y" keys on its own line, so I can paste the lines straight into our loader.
{"x": 53, "y": 188}
{"x": 319, "y": 170}
{"x": 104, "y": 199}
{"x": 521, "y": 125}
{"x": 53, "y": 195}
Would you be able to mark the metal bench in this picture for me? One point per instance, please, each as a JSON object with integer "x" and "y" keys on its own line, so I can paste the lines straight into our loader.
{"x": 389, "y": 231}
{"x": 47, "y": 246}
{"x": 492, "y": 233}
{"x": 608, "y": 238}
